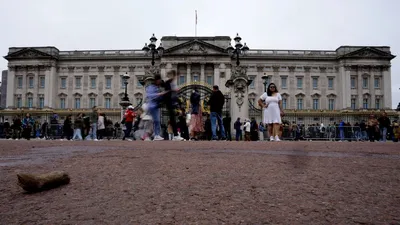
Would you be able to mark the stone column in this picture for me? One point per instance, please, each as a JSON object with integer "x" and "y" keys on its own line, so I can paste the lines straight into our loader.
{"x": 359, "y": 100}
{"x": 50, "y": 84}
{"x": 238, "y": 84}
{"x": 345, "y": 99}
{"x": 216, "y": 76}
{"x": 188, "y": 74}
{"x": 202, "y": 77}
{"x": 11, "y": 87}
{"x": 387, "y": 89}
{"x": 371, "y": 86}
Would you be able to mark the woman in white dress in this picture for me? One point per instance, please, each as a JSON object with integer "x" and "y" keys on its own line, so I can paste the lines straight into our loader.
{"x": 271, "y": 102}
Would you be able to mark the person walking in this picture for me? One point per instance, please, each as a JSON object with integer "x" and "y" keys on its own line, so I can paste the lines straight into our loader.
{"x": 129, "y": 117}
{"x": 27, "y": 124}
{"x": 93, "y": 118}
{"x": 101, "y": 126}
{"x": 171, "y": 102}
{"x": 247, "y": 133}
{"x": 238, "y": 128}
{"x": 196, "y": 118}
{"x": 67, "y": 128}
{"x": 384, "y": 125}
{"x": 271, "y": 102}
{"x": 78, "y": 125}
{"x": 216, "y": 103}
{"x": 154, "y": 98}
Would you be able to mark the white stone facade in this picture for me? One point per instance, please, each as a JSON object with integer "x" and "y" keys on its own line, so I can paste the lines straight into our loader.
{"x": 348, "y": 77}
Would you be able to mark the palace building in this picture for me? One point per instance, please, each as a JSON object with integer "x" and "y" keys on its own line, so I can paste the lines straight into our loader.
{"x": 316, "y": 85}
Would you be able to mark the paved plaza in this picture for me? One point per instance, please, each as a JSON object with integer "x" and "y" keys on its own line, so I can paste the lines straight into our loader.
{"x": 116, "y": 182}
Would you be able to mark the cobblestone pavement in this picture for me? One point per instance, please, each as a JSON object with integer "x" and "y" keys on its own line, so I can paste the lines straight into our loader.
{"x": 116, "y": 182}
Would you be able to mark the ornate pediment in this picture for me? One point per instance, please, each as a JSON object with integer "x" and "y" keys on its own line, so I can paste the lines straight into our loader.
{"x": 107, "y": 94}
{"x": 62, "y": 95}
{"x": 92, "y": 94}
{"x": 195, "y": 47}
{"x": 29, "y": 53}
{"x": 368, "y": 52}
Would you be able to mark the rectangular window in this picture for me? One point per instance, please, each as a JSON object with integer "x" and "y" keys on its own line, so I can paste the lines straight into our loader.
{"x": 365, "y": 82}
{"x": 300, "y": 103}
{"x": 210, "y": 80}
{"x": 19, "y": 102}
{"x": 195, "y": 78}
{"x": 315, "y": 104}
{"x": 377, "y": 83}
{"x": 108, "y": 83}
{"x": 353, "y": 103}
{"x": 331, "y": 104}
{"x": 330, "y": 83}
{"x": 377, "y": 103}
{"x": 299, "y": 83}
{"x": 315, "y": 83}
{"x": 92, "y": 102}
{"x": 284, "y": 103}
{"x": 353, "y": 82}
{"x": 107, "y": 103}
{"x": 63, "y": 82}
{"x": 41, "y": 102}
{"x": 19, "y": 82}
{"x": 77, "y": 103}
{"x": 252, "y": 84}
{"x": 42, "y": 81}
{"x": 93, "y": 82}
{"x": 62, "y": 103}
{"x": 30, "y": 102}
{"x": 365, "y": 103}
{"x": 138, "y": 84}
{"x": 30, "y": 82}
{"x": 138, "y": 100}
{"x": 78, "y": 82}
{"x": 284, "y": 82}
{"x": 182, "y": 79}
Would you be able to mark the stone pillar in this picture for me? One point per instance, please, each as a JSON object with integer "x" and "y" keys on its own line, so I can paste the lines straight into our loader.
{"x": 51, "y": 86}
{"x": 387, "y": 89}
{"x": 202, "y": 72}
{"x": 238, "y": 84}
{"x": 371, "y": 86}
{"x": 359, "y": 100}
{"x": 188, "y": 73}
{"x": 10, "y": 101}
{"x": 216, "y": 75}
{"x": 345, "y": 101}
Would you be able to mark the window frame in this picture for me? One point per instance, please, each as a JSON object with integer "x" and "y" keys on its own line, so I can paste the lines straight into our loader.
{"x": 297, "y": 83}
{"x": 61, "y": 83}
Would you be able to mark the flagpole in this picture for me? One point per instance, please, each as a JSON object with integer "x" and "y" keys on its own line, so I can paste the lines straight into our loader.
{"x": 195, "y": 26}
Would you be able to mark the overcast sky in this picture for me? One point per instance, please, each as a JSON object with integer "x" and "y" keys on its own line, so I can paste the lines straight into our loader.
{"x": 128, "y": 24}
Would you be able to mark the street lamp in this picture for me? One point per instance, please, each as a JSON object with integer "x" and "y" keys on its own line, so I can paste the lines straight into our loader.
{"x": 125, "y": 77}
{"x": 152, "y": 49}
{"x": 238, "y": 50}
{"x": 265, "y": 78}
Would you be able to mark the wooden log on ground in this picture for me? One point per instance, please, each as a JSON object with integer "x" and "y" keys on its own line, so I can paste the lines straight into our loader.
{"x": 35, "y": 183}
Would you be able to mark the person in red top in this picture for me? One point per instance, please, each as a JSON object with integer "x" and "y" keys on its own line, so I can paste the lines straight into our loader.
{"x": 129, "y": 116}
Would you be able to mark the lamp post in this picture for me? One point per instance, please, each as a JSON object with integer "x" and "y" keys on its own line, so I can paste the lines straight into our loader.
{"x": 125, "y": 77}
{"x": 125, "y": 100}
{"x": 265, "y": 78}
{"x": 151, "y": 48}
{"x": 238, "y": 50}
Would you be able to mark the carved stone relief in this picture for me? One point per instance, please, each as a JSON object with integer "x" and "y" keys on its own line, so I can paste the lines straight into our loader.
{"x": 196, "y": 48}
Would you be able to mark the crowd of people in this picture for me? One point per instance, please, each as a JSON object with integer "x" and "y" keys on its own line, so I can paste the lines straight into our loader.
{"x": 144, "y": 123}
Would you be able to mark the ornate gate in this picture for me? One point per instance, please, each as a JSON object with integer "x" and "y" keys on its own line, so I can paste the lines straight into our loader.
{"x": 205, "y": 91}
